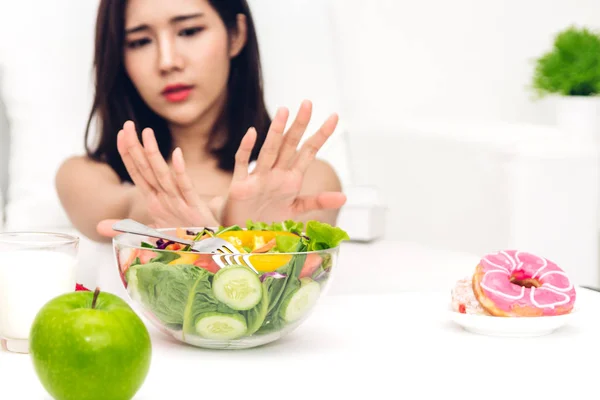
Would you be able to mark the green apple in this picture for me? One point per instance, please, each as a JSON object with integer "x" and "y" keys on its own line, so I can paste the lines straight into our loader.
{"x": 88, "y": 346}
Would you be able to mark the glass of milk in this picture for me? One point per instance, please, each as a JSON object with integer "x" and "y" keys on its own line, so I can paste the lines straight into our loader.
{"x": 35, "y": 267}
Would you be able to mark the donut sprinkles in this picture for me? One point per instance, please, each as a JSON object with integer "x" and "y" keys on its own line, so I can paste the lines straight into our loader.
{"x": 514, "y": 283}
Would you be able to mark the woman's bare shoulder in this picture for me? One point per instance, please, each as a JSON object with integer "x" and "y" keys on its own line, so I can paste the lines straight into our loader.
{"x": 81, "y": 168}
{"x": 82, "y": 177}
{"x": 321, "y": 176}
{"x": 90, "y": 192}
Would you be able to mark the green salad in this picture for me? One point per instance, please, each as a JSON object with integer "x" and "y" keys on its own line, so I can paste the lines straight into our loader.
{"x": 189, "y": 293}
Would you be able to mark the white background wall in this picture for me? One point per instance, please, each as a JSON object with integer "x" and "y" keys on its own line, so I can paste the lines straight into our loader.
{"x": 450, "y": 59}
{"x": 391, "y": 65}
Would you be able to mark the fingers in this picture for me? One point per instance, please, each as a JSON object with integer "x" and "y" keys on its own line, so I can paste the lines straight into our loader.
{"x": 184, "y": 182}
{"x": 242, "y": 156}
{"x": 168, "y": 192}
{"x": 311, "y": 147}
{"x": 105, "y": 229}
{"x": 270, "y": 149}
{"x": 323, "y": 201}
{"x": 216, "y": 206}
{"x": 141, "y": 171}
{"x": 137, "y": 178}
{"x": 159, "y": 166}
{"x": 161, "y": 209}
{"x": 136, "y": 150}
{"x": 195, "y": 209}
{"x": 294, "y": 135}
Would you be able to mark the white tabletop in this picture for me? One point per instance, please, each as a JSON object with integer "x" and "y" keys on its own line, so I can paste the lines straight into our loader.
{"x": 391, "y": 346}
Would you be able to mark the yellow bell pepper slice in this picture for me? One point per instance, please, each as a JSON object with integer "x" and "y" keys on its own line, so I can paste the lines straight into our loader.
{"x": 269, "y": 262}
{"x": 184, "y": 258}
{"x": 263, "y": 262}
{"x": 251, "y": 239}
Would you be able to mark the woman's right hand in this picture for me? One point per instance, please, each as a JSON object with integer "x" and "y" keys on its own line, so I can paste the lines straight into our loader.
{"x": 168, "y": 193}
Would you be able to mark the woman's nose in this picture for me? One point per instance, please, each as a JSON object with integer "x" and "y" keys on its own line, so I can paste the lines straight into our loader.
{"x": 169, "y": 58}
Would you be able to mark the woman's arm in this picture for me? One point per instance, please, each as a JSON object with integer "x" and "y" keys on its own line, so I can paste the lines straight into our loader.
{"x": 90, "y": 192}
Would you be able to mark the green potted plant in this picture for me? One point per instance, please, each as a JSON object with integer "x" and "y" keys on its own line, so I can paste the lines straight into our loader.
{"x": 570, "y": 72}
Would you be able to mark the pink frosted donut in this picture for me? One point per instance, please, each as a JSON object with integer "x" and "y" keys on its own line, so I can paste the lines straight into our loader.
{"x": 519, "y": 284}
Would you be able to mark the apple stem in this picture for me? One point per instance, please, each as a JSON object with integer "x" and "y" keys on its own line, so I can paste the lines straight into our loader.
{"x": 96, "y": 293}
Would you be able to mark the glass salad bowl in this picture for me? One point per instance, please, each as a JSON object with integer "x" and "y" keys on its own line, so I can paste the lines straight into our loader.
{"x": 227, "y": 300}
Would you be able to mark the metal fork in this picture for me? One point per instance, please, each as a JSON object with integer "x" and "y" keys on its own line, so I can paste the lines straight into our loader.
{"x": 226, "y": 253}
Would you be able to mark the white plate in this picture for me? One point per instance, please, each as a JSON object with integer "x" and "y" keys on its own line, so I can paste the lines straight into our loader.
{"x": 511, "y": 326}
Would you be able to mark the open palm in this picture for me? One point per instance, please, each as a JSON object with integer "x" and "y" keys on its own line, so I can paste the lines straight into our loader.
{"x": 167, "y": 192}
{"x": 271, "y": 192}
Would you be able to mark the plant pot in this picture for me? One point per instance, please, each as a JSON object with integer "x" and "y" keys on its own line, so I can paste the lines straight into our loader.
{"x": 579, "y": 116}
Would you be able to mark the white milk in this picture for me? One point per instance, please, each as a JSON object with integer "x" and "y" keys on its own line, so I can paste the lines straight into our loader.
{"x": 28, "y": 280}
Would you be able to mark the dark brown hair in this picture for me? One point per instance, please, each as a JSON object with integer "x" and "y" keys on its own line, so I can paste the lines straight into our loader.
{"x": 116, "y": 99}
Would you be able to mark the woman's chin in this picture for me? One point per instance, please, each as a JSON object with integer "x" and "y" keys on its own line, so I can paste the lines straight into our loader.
{"x": 182, "y": 115}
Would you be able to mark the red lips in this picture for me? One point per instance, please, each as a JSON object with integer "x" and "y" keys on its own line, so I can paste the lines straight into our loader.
{"x": 176, "y": 93}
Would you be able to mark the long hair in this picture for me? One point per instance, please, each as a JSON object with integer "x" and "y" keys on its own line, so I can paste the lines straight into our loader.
{"x": 116, "y": 99}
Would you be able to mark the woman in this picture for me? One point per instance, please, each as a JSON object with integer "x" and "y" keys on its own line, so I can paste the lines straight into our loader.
{"x": 188, "y": 74}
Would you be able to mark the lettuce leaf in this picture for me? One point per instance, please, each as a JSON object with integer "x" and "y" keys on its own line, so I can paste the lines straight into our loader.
{"x": 279, "y": 289}
{"x": 228, "y": 228}
{"x": 165, "y": 289}
{"x": 324, "y": 236}
{"x": 287, "y": 244}
{"x": 165, "y": 256}
{"x": 177, "y": 294}
{"x": 256, "y": 316}
{"x": 257, "y": 226}
{"x": 285, "y": 226}
{"x": 293, "y": 227}
{"x": 321, "y": 235}
{"x": 201, "y": 300}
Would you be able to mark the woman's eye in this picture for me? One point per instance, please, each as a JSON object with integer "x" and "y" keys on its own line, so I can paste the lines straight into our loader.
{"x": 134, "y": 44}
{"x": 190, "y": 31}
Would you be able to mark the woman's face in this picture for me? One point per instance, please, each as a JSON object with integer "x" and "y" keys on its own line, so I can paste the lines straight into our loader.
{"x": 177, "y": 55}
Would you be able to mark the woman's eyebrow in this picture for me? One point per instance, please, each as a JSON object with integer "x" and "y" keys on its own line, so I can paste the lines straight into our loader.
{"x": 177, "y": 18}
{"x": 180, "y": 18}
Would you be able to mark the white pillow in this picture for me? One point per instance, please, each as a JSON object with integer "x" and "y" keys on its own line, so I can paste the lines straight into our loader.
{"x": 47, "y": 88}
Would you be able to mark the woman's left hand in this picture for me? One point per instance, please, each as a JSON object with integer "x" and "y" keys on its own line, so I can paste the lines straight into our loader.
{"x": 271, "y": 193}
{"x": 166, "y": 193}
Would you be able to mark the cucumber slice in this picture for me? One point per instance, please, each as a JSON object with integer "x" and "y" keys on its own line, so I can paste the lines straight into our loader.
{"x": 301, "y": 301}
{"x": 214, "y": 325}
{"x": 238, "y": 287}
{"x": 132, "y": 283}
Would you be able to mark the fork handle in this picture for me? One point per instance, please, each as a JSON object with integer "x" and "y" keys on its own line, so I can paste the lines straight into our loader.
{"x": 136, "y": 228}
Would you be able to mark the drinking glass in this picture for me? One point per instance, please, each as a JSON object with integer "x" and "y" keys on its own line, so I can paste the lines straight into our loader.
{"x": 35, "y": 267}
